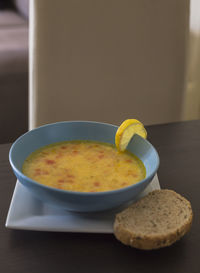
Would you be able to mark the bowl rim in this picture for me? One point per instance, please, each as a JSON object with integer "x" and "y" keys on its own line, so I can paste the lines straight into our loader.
{"x": 79, "y": 193}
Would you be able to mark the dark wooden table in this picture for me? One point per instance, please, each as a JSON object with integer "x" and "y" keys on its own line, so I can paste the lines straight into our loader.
{"x": 178, "y": 145}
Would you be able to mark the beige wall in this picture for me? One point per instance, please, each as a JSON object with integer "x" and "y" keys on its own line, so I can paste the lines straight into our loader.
{"x": 107, "y": 60}
{"x": 192, "y": 96}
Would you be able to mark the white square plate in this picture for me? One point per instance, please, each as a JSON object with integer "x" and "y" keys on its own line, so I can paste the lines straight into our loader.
{"x": 28, "y": 213}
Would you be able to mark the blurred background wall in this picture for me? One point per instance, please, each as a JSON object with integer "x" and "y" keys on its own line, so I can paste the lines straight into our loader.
{"x": 123, "y": 59}
{"x": 192, "y": 95}
{"x": 13, "y": 69}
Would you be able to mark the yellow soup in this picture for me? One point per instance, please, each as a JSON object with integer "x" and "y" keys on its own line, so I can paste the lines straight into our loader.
{"x": 84, "y": 166}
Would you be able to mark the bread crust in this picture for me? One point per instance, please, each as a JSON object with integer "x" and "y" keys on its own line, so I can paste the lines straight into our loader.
{"x": 151, "y": 241}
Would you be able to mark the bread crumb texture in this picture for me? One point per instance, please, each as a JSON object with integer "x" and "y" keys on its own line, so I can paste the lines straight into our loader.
{"x": 157, "y": 220}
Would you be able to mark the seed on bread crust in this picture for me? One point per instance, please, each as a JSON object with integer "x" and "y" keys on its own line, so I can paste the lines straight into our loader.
{"x": 157, "y": 220}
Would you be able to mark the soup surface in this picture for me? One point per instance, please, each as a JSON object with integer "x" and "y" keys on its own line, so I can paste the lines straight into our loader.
{"x": 84, "y": 166}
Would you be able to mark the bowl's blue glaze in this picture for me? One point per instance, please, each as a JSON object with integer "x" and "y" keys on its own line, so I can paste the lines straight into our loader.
{"x": 86, "y": 130}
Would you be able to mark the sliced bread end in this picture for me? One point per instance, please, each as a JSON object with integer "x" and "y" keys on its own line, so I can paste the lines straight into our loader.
{"x": 157, "y": 220}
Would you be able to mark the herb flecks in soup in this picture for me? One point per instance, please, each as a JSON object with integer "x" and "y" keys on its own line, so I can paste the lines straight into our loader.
{"x": 84, "y": 166}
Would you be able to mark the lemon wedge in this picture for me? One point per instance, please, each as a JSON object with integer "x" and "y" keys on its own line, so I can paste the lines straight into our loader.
{"x": 126, "y": 131}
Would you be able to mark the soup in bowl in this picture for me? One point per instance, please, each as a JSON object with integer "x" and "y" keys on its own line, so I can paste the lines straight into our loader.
{"x": 75, "y": 165}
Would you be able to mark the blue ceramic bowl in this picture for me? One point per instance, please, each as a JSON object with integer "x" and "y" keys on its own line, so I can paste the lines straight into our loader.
{"x": 77, "y": 130}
